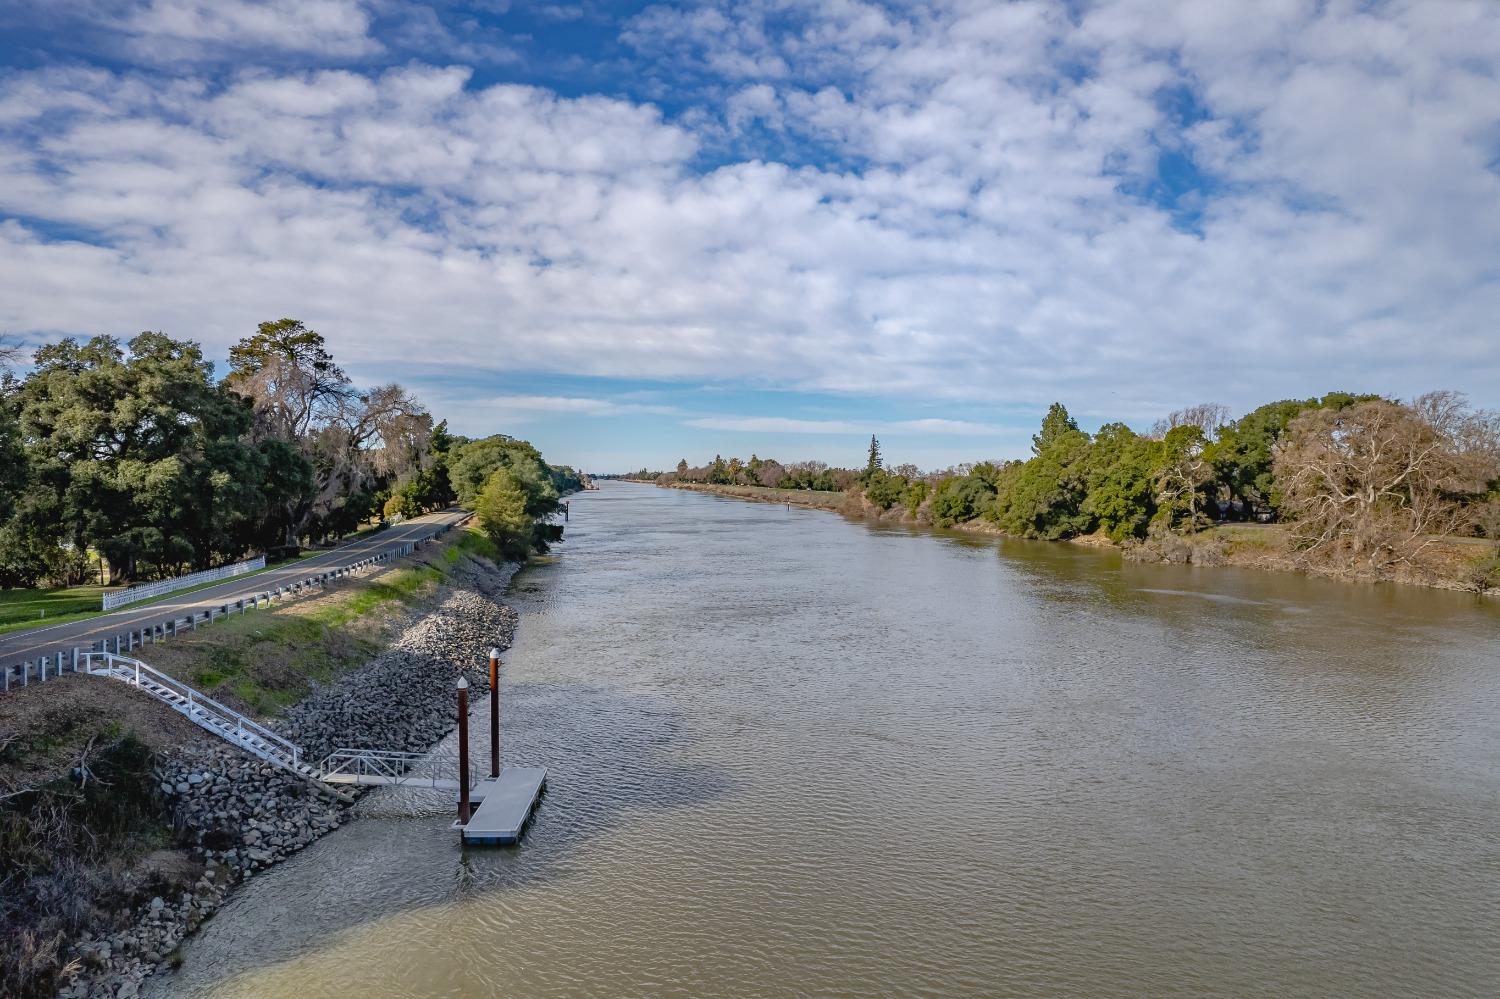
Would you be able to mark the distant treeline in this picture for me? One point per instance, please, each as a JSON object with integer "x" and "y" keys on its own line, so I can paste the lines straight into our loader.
{"x": 135, "y": 453}
{"x": 1362, "y": 479}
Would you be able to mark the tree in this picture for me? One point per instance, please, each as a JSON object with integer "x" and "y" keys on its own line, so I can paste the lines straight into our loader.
{"x": 960, "y": 499}
{"x": 682, "y": 467}
{"x": 718, "y": 472}
{"x": 1044, "y": 496}
{"x": 501, "y": 509}
{"x": 477, "y": 461}
{"x": 1181, "y": 476}
{"x": 884, "y": 490}
{"x": 285, "y": 369}
{"x": 874, "y": 463}
{"x": 138, "y": 454}
{"x": 1243, "y": 453}
{"x": 1209, "y": 417}
{"x": 770, "y": 474}
{"x": 12, "y": 458}
{"x": 1055, "y": 425}
{"x": 1119, "y": 493}
{"x": 1376, "y": 483}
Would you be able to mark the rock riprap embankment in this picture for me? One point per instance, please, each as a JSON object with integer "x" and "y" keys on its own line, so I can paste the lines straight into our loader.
{"x": 403, "y": 699}
{"x": 240, "y": 815}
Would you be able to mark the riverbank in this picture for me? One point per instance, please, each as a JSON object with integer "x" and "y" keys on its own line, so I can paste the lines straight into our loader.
{"x": 1450, "y": 563}
{"x": 126, "y": 826}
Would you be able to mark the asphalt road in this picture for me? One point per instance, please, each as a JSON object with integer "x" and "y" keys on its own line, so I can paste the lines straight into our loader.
{"x": 48, "y": 640}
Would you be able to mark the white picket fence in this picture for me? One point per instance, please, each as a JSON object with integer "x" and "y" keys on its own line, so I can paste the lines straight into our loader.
{"x": 135, "y": 594}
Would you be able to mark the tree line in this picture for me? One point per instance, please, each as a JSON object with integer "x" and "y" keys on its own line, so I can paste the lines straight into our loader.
{"x": 1360, "y": 479}
{"x": 134, "y": 453}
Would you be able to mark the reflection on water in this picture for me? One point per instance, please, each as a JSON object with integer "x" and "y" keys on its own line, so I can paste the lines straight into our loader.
{"x": 793, "y": 755}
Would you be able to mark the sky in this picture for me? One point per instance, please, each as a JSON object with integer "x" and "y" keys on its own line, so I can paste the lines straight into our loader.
{"x": 634, "y": 232}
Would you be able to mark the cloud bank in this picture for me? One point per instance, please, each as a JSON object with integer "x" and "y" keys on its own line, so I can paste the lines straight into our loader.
{"x": 1128, "y": 205}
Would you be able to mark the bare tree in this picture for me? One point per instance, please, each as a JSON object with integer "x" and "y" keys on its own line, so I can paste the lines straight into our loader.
{"x": 770, "y": 473}
{"x": 1210, "y": 417}
{"x": 1375, "y": 484}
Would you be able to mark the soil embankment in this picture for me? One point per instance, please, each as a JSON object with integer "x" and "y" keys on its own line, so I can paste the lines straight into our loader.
{"x": 126, "y": 826}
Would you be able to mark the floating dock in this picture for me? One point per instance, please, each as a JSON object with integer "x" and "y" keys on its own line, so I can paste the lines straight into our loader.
{"x": 505, "y": 806}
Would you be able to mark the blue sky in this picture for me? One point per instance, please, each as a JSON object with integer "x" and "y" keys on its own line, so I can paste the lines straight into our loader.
{"x": 635, "y": 232}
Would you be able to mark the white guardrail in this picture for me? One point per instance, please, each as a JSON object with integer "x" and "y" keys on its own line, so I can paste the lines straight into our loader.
{"x": 135, "y": 594}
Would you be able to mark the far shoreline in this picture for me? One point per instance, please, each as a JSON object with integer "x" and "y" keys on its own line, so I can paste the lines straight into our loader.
{"x": 1249, "y": 546}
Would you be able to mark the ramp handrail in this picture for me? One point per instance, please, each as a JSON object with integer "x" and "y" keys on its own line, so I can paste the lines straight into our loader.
{"x": 410, "y": 769}
{"x": 345, "y": 765}
{"x": 133, "y": 671}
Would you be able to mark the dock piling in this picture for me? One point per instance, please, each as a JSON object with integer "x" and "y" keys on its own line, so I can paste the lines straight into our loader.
{"x": 494, "y": 712}
{"x": 463, "y": 751}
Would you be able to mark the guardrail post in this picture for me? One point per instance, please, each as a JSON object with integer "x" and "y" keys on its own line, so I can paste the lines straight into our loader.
{"x": 137, "y": 674}
{"x": 26, "y": 674}
{"x": 6, "y": 678}
{"x": 75, "y": 659}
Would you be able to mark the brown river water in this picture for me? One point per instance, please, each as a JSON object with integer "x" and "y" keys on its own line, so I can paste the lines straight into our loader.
{"x": 792, "y": 755}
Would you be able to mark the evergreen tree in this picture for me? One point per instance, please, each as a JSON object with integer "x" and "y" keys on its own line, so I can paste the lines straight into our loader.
{"x": 718, "y": 472}
{"x": 501, "y": 508}
{"x": 1055, "y": 425}
{"x": 874, "y": 464}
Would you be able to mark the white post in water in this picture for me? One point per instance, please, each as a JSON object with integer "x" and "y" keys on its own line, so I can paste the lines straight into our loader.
{"x": 463, "y": 751}
{"x": 494, "y": 712}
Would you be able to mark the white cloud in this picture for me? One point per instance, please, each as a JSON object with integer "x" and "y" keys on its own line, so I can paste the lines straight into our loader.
{"x": 176, "y": 29}
{"x": 515, "y": 409}
{"x": 786, "y": 425}
{"x": 986, "y": 248}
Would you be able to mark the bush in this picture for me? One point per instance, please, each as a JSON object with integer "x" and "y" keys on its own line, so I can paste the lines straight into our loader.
{"x": 960, "y": 499}
{"x": 884, "y": 490}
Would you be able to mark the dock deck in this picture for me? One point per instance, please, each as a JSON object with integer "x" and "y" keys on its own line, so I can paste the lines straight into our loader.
{"x": 506, "y": 803}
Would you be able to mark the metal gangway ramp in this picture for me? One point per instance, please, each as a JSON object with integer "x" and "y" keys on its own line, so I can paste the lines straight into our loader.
{"x": 505, "y": 799}
{"x": 388, "y": 767}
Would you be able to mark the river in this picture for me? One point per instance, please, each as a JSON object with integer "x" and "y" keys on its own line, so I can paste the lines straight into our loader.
{"x": 796, "y": 755}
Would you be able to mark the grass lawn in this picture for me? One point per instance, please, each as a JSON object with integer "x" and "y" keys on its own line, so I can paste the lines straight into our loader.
{"x": 21, "y": 609}
{"x": 31, "y": 608}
